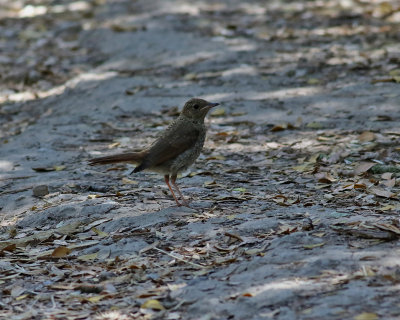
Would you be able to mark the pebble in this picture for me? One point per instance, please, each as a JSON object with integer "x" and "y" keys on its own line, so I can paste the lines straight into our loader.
{"x": 40, "y": 191}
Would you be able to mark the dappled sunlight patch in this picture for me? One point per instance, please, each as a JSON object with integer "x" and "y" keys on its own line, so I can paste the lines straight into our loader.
{"x": 30, "y": 11}
{"x": 6, "y": 165}
{"x": 111, "y": 315}
{"x": 265, "y": 95}
{"x": 294, "y": 284}
{"x": 91, "y": 77}
{"x": 17, "y": 96}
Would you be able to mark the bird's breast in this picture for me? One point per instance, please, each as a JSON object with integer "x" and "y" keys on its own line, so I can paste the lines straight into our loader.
{"x": 186, "y": 158}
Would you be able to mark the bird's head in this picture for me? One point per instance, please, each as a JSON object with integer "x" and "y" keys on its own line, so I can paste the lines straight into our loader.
{"x": 197, "y": 109}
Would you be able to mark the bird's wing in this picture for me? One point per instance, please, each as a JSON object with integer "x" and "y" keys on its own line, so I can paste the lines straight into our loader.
{"x": 172, "y": 143}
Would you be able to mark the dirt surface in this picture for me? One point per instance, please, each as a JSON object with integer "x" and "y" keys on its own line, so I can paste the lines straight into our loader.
{"x": 295, "y": 198}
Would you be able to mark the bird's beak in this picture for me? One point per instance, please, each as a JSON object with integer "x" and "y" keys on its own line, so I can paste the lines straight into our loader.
{"x": 211, "y": 105}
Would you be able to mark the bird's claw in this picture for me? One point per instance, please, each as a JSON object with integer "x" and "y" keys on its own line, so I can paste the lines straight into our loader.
{"x": 184, "y": 203}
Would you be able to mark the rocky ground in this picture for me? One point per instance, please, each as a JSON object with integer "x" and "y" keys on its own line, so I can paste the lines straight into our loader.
{"x": 295, "y": 198}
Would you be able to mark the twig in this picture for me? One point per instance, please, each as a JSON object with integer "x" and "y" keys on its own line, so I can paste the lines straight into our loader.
{"x": 235, "y": 236}
{"x": 112, "y": 195}
{"x": 180, "y": 259}
{"x": 383, "y": 80}
{"x": 179, "y": 305}
{"x": 53, "y": 302}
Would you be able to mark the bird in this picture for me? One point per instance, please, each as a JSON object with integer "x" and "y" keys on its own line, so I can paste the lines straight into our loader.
{"x": 176, "y": 148}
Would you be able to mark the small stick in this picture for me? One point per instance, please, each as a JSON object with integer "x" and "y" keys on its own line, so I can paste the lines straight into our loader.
{"x": 180, "y": 259}
{"x": 235, "y": 236}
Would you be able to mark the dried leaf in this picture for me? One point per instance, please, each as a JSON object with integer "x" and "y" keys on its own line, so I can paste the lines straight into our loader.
{"x": 88, "y": 257}
{"x": 363, "y": 167}
{"x": 307, "y": 166}
{"x": 279, "y": 127}
{"x": 322, "y": 138}
{"x": 360, "y": 186}
{"x": 387, "y": 175}
{"x": 44, "y": 169}
{"x": 72, "y": 228}
{"x": 388, "y": 227}
{"x": 100, "y": 233}
{"x": 325, "y": 177}
{"x": 190, "y": 76}
{"x": 223, "y": 134}
{"x": 114, "y": 145}
{"x": 366, "y": 316}
{"x": 286, "y": 229}
{"x": 312, "y": 246}
{"x": 394, "y": 72}
{"x": 96, "y": 223}
{"x": 255, "y": 251}
{"x": 382, "y": 193}
{"x": 383, "y": 117}
{"x": 128, "y": 181}
{"x": 219, "y": 112}
{"x": 209, "y": 183}
{"x": 388, "y": 207}
{"x": 22, "y": 297}
{"x": 389, "y": 183}
{"x": 216, "y": 157}
{"x": 96, "y": 299}
{"x": 9, "y": 248}
{"x": 152, "y": 304}
{"x": 238, "y": 113}
{"x": 366, "y": 136}
{"x": 319, "y": 234}
{"x": 61, "y": 252}
{"x": 247, "y": 294}
{"x": 123, "y": 27}
{"x": 366, "y": 233}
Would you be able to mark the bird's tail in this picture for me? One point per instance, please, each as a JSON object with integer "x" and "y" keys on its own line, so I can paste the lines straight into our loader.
{"x": 132, "y": 157}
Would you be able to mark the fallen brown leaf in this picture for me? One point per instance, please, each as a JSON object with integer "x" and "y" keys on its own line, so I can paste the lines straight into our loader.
{"x": 363, "y": 167}
{"x": 366, "y": 136}
{"x": 389, "y": 183}
{"x": 382, "y": 193}
{"x": 61, "y": 252}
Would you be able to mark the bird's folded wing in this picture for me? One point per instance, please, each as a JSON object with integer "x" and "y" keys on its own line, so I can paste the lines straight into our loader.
{"x": 169, "y": 146}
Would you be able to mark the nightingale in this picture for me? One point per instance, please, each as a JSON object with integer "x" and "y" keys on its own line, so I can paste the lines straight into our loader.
{"x": 174, "y": 150}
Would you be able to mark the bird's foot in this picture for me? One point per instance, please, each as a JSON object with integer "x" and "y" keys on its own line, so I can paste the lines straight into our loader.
{"x": 184, "y": 203}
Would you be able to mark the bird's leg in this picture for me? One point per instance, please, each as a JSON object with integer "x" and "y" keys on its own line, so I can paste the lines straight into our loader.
{"x": 173, "y": 179}
{"x": 166, "y": 178}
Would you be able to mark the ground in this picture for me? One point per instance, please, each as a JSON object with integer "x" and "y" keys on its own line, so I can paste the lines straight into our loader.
{"x": 295, "y": 198}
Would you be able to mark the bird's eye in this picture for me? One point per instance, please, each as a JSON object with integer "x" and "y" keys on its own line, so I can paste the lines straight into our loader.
{"x": 196, "y": 106}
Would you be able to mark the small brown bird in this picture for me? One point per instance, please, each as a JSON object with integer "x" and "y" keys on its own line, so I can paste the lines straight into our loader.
{"x": 176, "y": 148}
